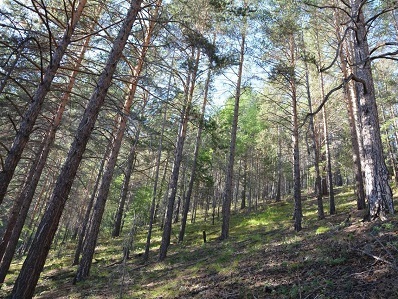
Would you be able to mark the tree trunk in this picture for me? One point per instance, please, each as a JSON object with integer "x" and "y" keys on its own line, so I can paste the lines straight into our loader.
{"x": 377, "y": 188}
{"x": 34, "y": 263}
{"x": 89, "y": 208}
{"x": 227, "y": 198}
{"x": 315, "y": 150}
{"x": 125, "y": 188}
{"x": 298, "y": 214}
{"x": 279, "y": 168}
{"x": 195, "y": 159}
{"x": 172, "y": 190}
{"x": 332, "y": 208}
{"x": 30, "y": 116}
{"x": 155, "y": 185}
{"x": 99, "y": 208}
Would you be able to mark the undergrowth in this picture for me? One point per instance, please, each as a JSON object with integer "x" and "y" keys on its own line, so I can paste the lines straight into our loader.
{"x": 262, "y": 258}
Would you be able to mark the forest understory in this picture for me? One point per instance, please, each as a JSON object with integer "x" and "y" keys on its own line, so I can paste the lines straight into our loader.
{"x": 341, "y": 256}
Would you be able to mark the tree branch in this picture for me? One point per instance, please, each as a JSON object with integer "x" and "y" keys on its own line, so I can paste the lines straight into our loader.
{"x": 383, "y": 45}
{"x": 345, "y": 81}
{"x": 337, "y": 51}
{"x": 329, "y": 6}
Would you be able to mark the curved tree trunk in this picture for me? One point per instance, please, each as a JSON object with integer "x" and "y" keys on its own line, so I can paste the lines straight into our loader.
{"x": 29, "y": 275}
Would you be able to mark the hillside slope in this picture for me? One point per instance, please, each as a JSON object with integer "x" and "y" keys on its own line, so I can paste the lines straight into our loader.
{"x": 338, "y": 257}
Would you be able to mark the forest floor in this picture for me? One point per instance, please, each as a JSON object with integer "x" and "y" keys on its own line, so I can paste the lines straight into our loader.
{"x": 340, "y": 256}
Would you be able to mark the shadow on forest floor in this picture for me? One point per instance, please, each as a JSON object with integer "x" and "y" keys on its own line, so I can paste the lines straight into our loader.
{"x": 337, "y": 257}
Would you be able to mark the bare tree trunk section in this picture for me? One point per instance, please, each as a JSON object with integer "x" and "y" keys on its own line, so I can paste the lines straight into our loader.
{"x": 89, "y": 208}
{"x": 332, "y": 207}
{"x": 377, "y": 188}
{"x": 353, "y": 117}
{"x": 390, "y": 147}
{"x": 278, "y": 195}
{"x": 29, "y": 275}
{"x": 30, "y": 116}
{"x": 298, "y": 214}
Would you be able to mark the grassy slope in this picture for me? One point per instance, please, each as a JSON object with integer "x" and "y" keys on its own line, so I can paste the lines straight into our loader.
{"x": 263, "y": 258}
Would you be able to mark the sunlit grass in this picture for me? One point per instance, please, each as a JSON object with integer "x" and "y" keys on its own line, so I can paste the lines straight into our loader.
{"x": 322, "y": 229}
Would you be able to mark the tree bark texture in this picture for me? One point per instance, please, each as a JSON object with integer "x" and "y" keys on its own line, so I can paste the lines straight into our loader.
{"x": 315, "y": 150}
{"x": 29, "y": 275}
{"x": 298, "y": 214}
{"x": 377, "y": 189}
{"x": 125, "y": 188}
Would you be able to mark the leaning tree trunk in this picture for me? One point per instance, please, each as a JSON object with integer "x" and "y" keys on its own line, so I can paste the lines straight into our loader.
{"x": 117, "y": 226}
{"x": 30, "y": 116}
{"x": 190, "y": 87}
{"x": 90, "y": 240}
{"x": 86, "y": 219}
{"x": 156, "y": 180}
{"x": 29, "y": 275}
{"x": 377, "y": 188}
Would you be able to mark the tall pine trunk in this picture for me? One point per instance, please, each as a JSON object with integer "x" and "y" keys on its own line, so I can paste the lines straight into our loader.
{"x": 332, "y": 207}
{"x": 227, "y": 198}
{"x": 298, "y": 214}
{"x": 315, "y": 148}
{"x": 178, "y": 154}
{"x": 92, "y": 234}
{"x": 187, "y": 201}
{"x": 346, "y": 62}
{"x": 29, "y": 275}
